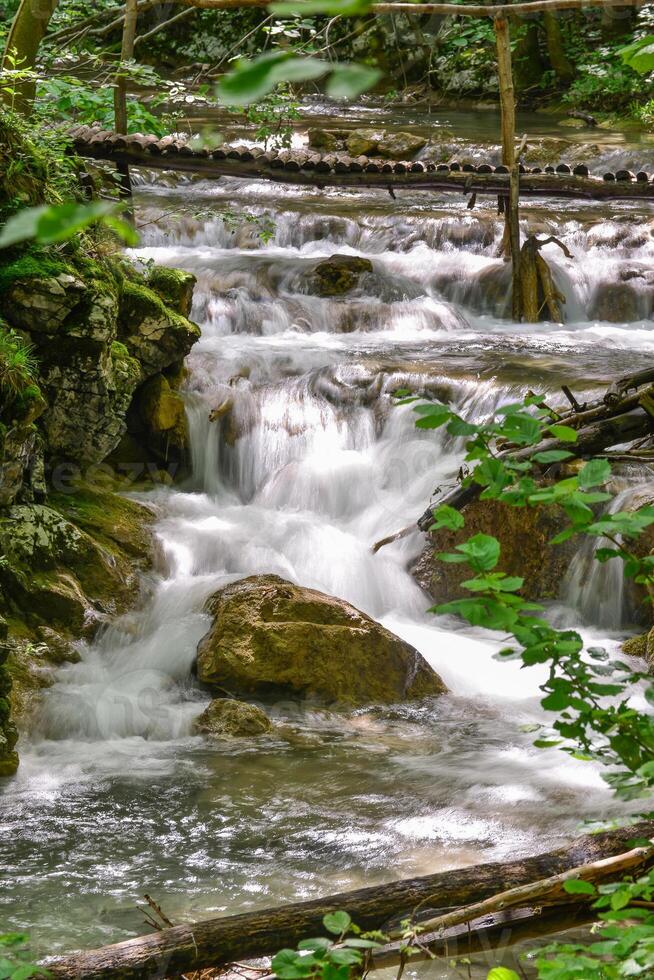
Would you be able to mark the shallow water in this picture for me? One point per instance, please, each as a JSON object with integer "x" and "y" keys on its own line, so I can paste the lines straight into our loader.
{"x": 115, "y": 797}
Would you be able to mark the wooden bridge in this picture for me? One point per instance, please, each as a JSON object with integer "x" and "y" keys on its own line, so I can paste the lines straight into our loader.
{"x": 340, "y": 170}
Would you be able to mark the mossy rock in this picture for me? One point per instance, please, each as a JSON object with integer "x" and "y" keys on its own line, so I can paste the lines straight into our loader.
{"x": 229, "y": 718}
{"x": 174, "y": 286}
{"x": 271, "y": 636}
{"x": 326, "y": 140}
{"x": 153, "y": 333}
{"x": 122, "y": 526}
{"x": 161, "y": 408}
{"x": 338, "y": 274}
{"x": 400, "y": 146}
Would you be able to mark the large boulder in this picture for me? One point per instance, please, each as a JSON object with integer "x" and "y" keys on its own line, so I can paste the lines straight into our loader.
{"x": 400, "y": 146}
{"x": 524, "y": 534}
{"x": 229, "y": 718}
{"x": 269, "y": 635}
{"x": 154, "y": 334}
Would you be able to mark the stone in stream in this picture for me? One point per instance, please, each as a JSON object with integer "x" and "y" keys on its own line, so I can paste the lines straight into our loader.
{"x": 270, "y": 637}
{"x": 229, "y": 718}
{"x": 617, "y": 302}
{"x": 369, "y": 142}
{"x": 524, "y": 534}
{"x": 338, "y": 274}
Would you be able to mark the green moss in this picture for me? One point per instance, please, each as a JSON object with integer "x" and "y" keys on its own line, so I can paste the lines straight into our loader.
{"x": 119, "y": 350}
{"x": 33, "y": 265}
{"x": 174, "y": 286}
{"x": 116, "y": 522}
{"x": 139, "y": 302}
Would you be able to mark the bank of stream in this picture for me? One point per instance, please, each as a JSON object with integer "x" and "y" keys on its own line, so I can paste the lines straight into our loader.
{"x": 115, "y": 797}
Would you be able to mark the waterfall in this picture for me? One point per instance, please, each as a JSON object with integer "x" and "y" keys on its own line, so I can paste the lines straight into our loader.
{"x": 301, "y": 460}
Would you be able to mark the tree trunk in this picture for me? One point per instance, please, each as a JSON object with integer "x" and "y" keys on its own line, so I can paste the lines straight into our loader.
{"x": 562, "y": 67}
{"x": 507, "y": 110}
{"x": 527, "y": 60}
{"x": 215, "y": 942}
{"x": 120, "y": 91}
{"x": 28, "y": 29}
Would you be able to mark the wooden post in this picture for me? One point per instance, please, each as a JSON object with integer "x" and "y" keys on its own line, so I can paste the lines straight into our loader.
{"x": 507, "y": 110}
{"x": 120, "y": 87}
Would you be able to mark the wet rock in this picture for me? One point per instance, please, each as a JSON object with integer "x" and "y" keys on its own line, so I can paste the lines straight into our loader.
{"x": 400, "y": 146}
{"x": 152, "y": 333}
{"x": 327, "y": 140}
{"x": 546, "y": 150}
{"x": 364, "y": 142}
{"x": 338, "y": 274}
{"x": 269, "y": 635}
{"x": 163, "y": 416}
{"x": 229, "y": 718}
{"x": 616, "y": 302}
{"x": 640, "y": 646}
{"x": 174, "y": 286}
{"x": 524, "y": 534}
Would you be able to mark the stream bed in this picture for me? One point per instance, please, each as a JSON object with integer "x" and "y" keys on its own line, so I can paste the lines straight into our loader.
{"x": 114, "y": 797}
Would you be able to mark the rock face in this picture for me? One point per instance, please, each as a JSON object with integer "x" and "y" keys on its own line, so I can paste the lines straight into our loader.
{"x": 338, "y": 274}
{"x": 99, "y": 332}
{"x": 66, "y": 569}
{"x": 228, "y": 718}
{"x": 524, "y": 534}
{"x": 271, "y": 636}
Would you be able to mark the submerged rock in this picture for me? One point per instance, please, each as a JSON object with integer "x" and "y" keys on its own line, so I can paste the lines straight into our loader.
{"x": 338, "y": 274}
{"x": 229, "y": 718}
{"x": 270, "y": 635}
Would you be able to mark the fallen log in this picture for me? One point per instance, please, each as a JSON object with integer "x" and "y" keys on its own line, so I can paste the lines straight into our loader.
{"x": 218, "y": 941}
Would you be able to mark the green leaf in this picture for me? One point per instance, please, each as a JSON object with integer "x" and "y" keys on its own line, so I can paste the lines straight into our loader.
{"x": 448, "y": 517}
{"x": 482, "y": 552}
{"x": 50, "y": 224}
{"x": 639, "y": 55}
{"x": 319, "y": 943}
{"x": 337, "y": 922}
{"x": 289, "y": 965}
{"x": 620, "y": 899}
{"x": 502, "y": 973}
{"x": 595, "y": 473}
{"x": 251, "y": 81}
{"x": 350, "y": 81}
{"x": 563, "y": 432}
{"x": 552, "y": 456}
{"x": 577, "y": 887}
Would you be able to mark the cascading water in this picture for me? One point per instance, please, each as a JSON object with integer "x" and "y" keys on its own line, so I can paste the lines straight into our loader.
{"x": 307, "y": 466}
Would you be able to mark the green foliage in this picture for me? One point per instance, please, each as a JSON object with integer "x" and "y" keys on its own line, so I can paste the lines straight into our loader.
{"x": 639, "y": 55}
{"x": 71, "y": 100}
{"x": 51, "y": 224}
{"x": 323, "y": 958}
{"x": 14, "y": 958}
{"x": 18, "y": 365}
{"x": 589, "y": 694}
{"x": 252, "y": 81}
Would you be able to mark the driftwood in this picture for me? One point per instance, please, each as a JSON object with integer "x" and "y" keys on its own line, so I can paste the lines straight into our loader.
{"x": 215, "y": 942}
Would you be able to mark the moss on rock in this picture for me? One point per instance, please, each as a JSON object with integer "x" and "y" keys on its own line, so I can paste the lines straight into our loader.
{"x": 229, "y": 718}
{"x": 174, "y": 286}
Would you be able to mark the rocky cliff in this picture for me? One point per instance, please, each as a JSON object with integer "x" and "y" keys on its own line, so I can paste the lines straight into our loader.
{"x": 97, "y": 351}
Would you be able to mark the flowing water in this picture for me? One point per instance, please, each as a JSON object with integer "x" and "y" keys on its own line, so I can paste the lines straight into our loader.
{"x": 115, "y": 797}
